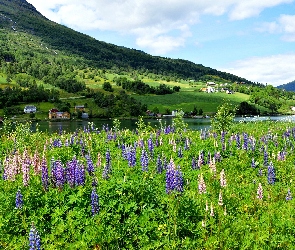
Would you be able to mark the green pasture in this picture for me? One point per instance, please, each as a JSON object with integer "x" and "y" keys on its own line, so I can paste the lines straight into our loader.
{"x": 187, "y": 100}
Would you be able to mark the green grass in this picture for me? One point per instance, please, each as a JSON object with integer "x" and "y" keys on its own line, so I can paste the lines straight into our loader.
{"x": 187, "y": 100}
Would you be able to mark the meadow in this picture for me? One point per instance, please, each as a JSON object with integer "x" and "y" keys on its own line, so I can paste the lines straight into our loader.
{"x": 152, "y": 188}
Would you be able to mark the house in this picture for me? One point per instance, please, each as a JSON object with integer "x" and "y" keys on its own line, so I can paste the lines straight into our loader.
{"x": 84, "y": 116}
{"x": 55, "y": 114}
{"x": 211, "y": 83}
{"x": 30, "y": 109}
{"x": 210, "y": 89}
{"x": 80, "y": 108}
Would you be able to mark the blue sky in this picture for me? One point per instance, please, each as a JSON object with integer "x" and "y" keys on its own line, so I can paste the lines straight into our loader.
{"x": 252, "y": 39}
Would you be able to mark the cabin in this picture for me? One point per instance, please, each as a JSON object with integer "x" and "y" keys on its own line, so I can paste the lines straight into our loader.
{"x": 55, "y": 114}
{"x": 30, "y": 109}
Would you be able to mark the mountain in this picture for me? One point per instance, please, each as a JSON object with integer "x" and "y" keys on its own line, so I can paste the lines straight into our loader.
{"x": 288, "y": 87}
{"x": 19, "y": 15}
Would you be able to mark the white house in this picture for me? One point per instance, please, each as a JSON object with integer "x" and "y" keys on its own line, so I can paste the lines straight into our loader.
{"x": 30, "y": 109}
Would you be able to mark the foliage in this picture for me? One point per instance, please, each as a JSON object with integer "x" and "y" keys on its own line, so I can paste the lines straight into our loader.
{"x": 199, "y": 190}
{"x": 224, "y": 118}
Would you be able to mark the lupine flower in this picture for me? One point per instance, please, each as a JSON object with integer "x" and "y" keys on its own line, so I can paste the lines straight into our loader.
{"x": 238, "y": 142}
{"x": 271, "y": 175}
{"x": 253, "y": 164}
{"x": 179, "y": 153}
{"x": 71, "y": 172}
{"x": 201, "y": 185}
{"x": 59, "y": 174}
{"x": 159, "y": 165}
{"x": 212, "y": 167}
{"x": 186, "y": 144}
{"x": 206, "y": 206}
{"x": 222, "y": 179}
{"x": 34, "y": 239}
{"x": 124, "y": 153}
{"x": 90, "y": 166}
{"x": 18, "y": 200}
{"x": 223, "y": 141}
{"x": 26, "y": 173}
{"x": 259, "y": 192}
{"x": 106, "y": 172}
{"x": 151, "y": 146}
{"x": 98, "y": 163}
{"x": 203, "y": 223}
{"x": 194, "y": 163}
{"x": 265, "y": 157}
{"x": 80, "y": 175}
{"x": 144, "y": 160}
{"x": 220, "y": 200}
{"x": 211, "y": 210}
{"x": 260, "y": 173}
{"x": 44, "y": 174}
{"x": 174, "y": 179}
{"x": 245, "y": 146}
{"x": 224, "y": 213}
{"x": 131, "y": 156}
{"x": 289, "y": 195}
{"x": 94, "y": 202}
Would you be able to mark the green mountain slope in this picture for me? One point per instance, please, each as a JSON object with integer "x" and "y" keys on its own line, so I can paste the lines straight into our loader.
{"x": 18, "y": 15}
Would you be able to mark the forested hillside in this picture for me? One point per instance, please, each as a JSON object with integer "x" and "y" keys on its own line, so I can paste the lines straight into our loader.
{"x": 18, "y": 15}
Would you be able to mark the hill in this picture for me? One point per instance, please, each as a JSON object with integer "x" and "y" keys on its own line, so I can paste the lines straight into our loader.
{"x": 18, "y": 15}
{"x": 288, "y": 87}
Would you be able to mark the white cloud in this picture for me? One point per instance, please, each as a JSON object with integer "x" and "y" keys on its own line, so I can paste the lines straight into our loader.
{"x": 152, "y": 22}
{"x": 284, "y": 25}
{"x": 275, "y": 70}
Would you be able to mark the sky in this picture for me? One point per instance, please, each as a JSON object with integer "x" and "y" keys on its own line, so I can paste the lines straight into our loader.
{"x": 254, "y": 39}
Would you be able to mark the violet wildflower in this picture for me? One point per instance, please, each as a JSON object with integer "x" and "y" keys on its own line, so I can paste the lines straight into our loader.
{"x": 90, "y": 166}
{"x": 194, "y": 163}
{"x": 131, "y": 156}
{"x": 245, "y": 146}
{"x": 151, "y": 146}
{"x": 179, "y": 153}
{"x": 223, "y": 140}
{"x": 159, "y": 165}
{"x": 94, "y": 202}
{"x": 80, "y": 175}
{"x": 271, "y": 175}
{"x": 253, "y": 164}
{"x": 265, "y": 157}
{"x": 289, "y": 195}
{"x": 259, "y": 192}
{"x": 124, "y": 152}
{"x": 34, "y": 239}
{"x": 19, "y": 200}
{"x": 260, "y": 173}
{"x": 174, "y": 179}
{"x": 144, "y": 160}
{"x": 238, "y": 142}
{"x": 59, "y": 174}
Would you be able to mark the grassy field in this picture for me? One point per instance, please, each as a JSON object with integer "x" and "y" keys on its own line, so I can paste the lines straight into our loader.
{"x": 186, "y": 100}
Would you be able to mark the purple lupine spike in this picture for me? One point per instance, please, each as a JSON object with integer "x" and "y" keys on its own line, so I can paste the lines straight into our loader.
{"x": 90, "y": 166}
{"x": 253, "y": 164}
{"x": 271, "y": 175}
{"x": 106, "y": 172}
{"x": 208, "y": 158}
{"x": 59, "y": 174}
{"x": 19, "y": 200}
{"x": 151, "y": 146}
{"x": 289, "y": 195}
{"x": 186, "y": 144}
{"x": 108, "y": 158}
{"x": 159, "y": 165}
{"x": 80, "y": 175}
{"x": 260, "y": 173}
{"x": 71, "y": 172}
{"x": 124, "y": 153}
{"x": 265, "y": 157}
{"x": 223, "y": 140}
{"x": 144, "y": 160}
{"x": 44, "y": 174}
{"x": 179, "y": 153}
{"x": 94, "y": 202}
{"x": 194, "y": 163}
{"x": 34, "y": 238}
{"x": 245, "y": 145}
{"x": 131, "y": 156}
{"x": 238, "y": 142}
{"x": 174, "y": 179}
